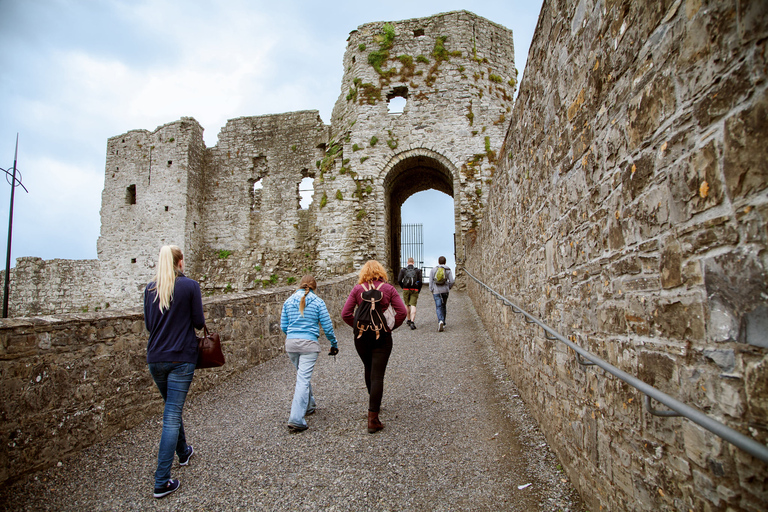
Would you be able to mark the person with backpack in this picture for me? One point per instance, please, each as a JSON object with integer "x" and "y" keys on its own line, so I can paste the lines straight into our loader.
{"x": 302, "y": 313}
{"x": 409, "y": 279}
{"x": 440, "y": 282}
{"x": 366, "y": 311}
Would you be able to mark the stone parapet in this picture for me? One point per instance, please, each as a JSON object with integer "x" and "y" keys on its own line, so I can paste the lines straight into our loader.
{"x": 73, "y": 380}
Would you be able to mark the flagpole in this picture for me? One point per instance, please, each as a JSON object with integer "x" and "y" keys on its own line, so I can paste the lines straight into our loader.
{"x": 10, "y": 228}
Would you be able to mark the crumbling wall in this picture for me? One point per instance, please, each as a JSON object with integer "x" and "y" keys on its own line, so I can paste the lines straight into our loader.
{"x": 52, "y": 287}
{"x": 629, "y": 212}
{"x": 256, "y": 233}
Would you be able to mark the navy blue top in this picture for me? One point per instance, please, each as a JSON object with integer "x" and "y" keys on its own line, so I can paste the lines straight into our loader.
{"x": 172, "y": 335}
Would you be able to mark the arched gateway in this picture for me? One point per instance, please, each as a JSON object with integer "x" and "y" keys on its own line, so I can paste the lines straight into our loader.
{"x": 406, "y": 174}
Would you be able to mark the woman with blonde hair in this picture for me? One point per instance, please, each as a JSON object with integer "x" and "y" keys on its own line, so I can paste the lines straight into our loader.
{"x": 302, "y": 313}
{"x": 173, "y": 309}
{"x": 373, "y": 344}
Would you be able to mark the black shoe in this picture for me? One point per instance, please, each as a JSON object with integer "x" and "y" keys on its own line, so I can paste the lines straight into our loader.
{"x": 297, "y": 428}
{"x": 171, "y": 486}
{"x": 183, "y": 461}
{"x": 413, "y": 326}
{"x": 409, "y": 322}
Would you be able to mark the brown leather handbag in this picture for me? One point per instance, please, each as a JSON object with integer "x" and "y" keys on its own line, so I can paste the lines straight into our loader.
{"x": 209, "y": 354}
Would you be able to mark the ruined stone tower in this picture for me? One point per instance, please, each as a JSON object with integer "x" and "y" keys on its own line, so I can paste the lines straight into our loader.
{"x": 456, "y": 72}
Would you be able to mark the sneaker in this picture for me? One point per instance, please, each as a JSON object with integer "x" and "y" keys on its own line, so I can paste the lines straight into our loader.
{"x": 409, "y": 322}
{"x": 297, "y": 428}
{"x": 309, "y": 411}
{"x": 413, "y": 326}
{"x": 171, "y": 486}
{"x": 440, "y": 326}
{"x": 183, "y": 461}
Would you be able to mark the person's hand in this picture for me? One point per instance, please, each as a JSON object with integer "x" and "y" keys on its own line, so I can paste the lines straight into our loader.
{"x": 333, "y": 351}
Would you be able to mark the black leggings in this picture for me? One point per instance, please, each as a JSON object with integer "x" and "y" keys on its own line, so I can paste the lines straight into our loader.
{"x": 374, "y": 354}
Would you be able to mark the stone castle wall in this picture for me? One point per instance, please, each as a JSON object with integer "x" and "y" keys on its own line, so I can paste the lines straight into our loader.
{"x": 252, "y": 206}
{"x": 629, "y": 212}
{"x": 51, "y": 287}
{"x": 74, "y": 380}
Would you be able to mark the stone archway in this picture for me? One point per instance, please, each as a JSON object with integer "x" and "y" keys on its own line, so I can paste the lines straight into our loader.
{"x": 406, "y": 174}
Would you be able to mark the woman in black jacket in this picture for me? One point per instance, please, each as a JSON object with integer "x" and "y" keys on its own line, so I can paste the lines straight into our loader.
{"x": 173, "y": 309}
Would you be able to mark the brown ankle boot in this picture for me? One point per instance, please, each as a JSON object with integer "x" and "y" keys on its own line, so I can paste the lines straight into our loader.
{"x": 374, "y": 425}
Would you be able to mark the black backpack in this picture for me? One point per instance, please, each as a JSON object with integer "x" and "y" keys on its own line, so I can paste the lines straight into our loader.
{"x": 409, "y": 278}
{"x": 369, "y": 315}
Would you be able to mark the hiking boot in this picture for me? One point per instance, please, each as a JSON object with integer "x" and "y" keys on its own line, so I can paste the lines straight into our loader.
{"x": 374, "y": 425}
{"x": 167, "y": 489}
{"x": 183, "y": 461}
{"x": 297, "y": 428}
{"x": 440, "y": 326}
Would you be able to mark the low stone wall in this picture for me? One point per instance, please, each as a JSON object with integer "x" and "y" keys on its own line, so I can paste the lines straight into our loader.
{"x": 70, "y": 381}
{"x": 53, "y": 287}
{"x": 629, "y": 212}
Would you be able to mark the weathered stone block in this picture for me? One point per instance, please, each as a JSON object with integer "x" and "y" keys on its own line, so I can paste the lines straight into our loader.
{"x": 745, "y": 149}
{"x": 756, "y": 386}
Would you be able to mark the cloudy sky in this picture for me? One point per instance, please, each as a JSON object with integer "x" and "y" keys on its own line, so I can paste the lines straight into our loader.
{"x": 75, "y": 72}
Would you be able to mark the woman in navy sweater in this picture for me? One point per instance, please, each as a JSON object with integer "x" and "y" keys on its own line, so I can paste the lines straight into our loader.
{"x": 173, "y": 309}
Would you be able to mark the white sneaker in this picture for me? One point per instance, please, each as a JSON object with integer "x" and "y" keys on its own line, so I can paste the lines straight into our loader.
{"x": 440, "y": 326}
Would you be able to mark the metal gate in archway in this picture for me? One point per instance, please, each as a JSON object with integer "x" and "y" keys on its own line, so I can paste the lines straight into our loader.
{"x": 412, "y": 244}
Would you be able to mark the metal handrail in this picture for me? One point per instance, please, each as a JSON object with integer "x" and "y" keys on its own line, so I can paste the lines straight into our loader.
{"x": 678, "y": 408}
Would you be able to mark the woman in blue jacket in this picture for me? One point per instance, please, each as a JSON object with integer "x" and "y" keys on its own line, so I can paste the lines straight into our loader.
{"x": 173, "y": 309}
{"x": 302, "y": 313}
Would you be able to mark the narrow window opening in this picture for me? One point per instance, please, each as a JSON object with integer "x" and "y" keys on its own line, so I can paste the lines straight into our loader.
{"x": 170, "y": 162}
{"x": 396, "y": 100}
{"x": 353, "y": 59}
{"x": 194, "y": 225}
{"x": 133, "y": 260}
{"x": 166, "y": 208}
{"x": 306, "y": 188}
{"x": 256, "y": 194}
{"x": 130, "y": 195}
{"x": 418, "y": 32}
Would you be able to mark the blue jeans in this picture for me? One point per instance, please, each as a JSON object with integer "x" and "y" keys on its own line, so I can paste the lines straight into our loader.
{"x": 303, "y": 401}
{"x": 440, "y": 300}
{"x": 173, "y": 381}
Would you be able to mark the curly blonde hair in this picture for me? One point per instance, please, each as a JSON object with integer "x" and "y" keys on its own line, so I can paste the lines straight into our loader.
{"x": 372, "y": 271}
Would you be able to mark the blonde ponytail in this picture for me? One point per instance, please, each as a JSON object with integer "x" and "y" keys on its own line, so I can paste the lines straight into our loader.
{"x": 308, "y": 283}
{"x": 165, "y": 277}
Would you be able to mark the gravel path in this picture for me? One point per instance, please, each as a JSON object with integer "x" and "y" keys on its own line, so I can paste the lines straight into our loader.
{"x": 457, "y": 437}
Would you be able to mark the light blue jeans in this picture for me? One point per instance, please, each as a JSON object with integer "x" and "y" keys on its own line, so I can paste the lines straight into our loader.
{"x": 440, "y": 301}
{"x": 303, "y": 401}
{"x": 173, "y": 381}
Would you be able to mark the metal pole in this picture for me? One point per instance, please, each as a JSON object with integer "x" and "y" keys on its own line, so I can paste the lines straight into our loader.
{"x": 10, "y": 233}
